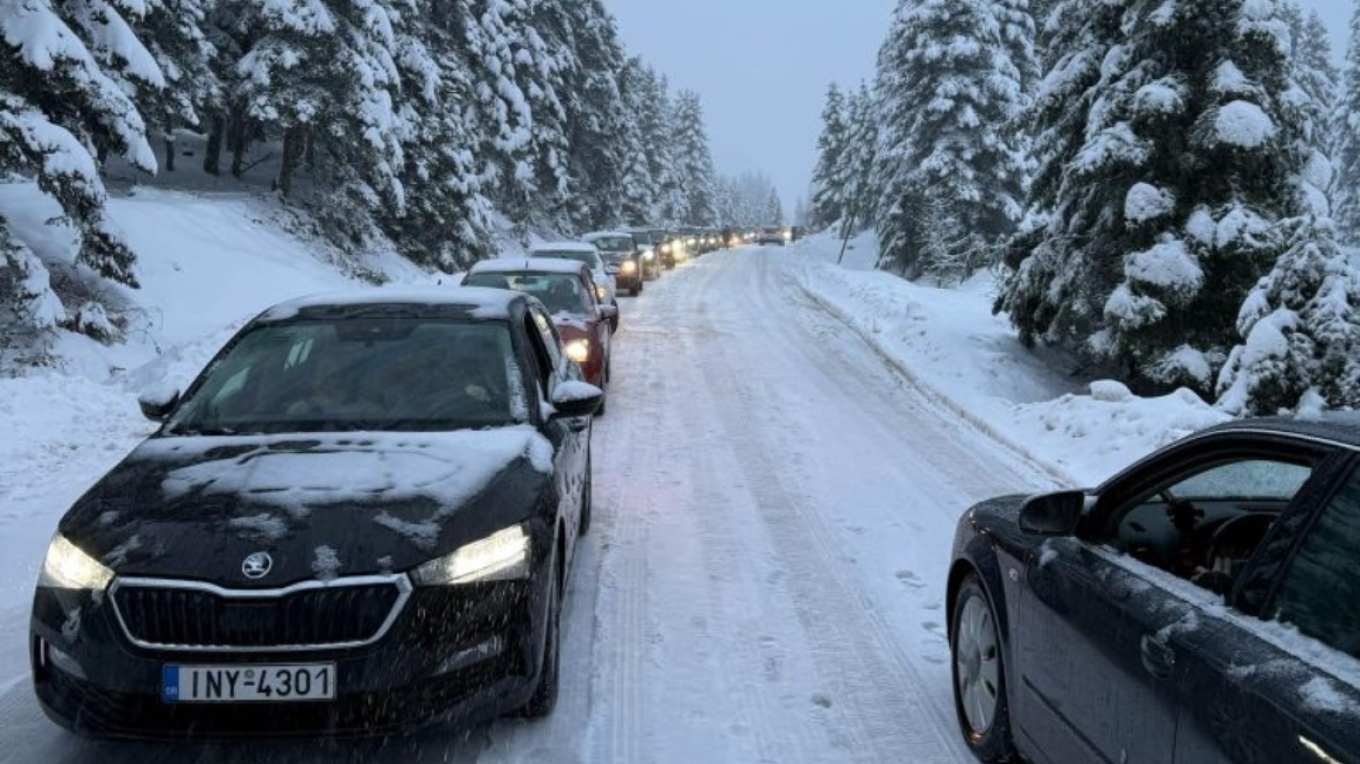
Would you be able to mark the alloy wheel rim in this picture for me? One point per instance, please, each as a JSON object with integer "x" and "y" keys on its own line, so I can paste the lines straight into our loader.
{"x": 977, "y": 665}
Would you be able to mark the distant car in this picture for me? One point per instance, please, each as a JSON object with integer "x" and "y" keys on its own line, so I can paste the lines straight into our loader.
{"x": 622, "y": 260}
{"x": 359, "y": 518}
{"x": 772, "y": 235}
{"x": 567, "y": 289}
{"x": 651, "y": 243}
{"x": 584, "y": 252}
{"x": 1199, "y": 606}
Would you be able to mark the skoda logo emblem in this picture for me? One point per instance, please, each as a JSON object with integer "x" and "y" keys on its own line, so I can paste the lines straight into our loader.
{"x": 257, "y": 565}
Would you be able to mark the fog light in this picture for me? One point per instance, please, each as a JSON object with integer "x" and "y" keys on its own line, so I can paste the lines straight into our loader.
{"x": 475, "y": 654}
{"x": 66, "y": 663}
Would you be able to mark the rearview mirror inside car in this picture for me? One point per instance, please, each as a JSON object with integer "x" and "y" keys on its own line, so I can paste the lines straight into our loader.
{"x": 1053, "y": 514}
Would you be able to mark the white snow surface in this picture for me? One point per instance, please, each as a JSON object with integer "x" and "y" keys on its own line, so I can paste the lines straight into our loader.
{"x": 789, "y": 444}
{"x": 1244, "y": 124}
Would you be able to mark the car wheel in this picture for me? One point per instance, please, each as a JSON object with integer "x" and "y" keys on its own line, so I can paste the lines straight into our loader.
{"x": 544, "y": 699}
{"x": 634, "y": 291}
{"x": 979, "y": 674}
{"x": 587, "y": 498}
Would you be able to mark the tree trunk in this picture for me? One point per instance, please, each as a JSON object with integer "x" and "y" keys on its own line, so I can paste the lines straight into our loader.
{"x": 293, "y": 140}
{"x": 212, "y": 157}
{"x": 237, "y": 139}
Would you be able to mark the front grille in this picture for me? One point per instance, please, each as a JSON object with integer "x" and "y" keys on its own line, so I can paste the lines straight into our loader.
{"x": 185, "y": 615}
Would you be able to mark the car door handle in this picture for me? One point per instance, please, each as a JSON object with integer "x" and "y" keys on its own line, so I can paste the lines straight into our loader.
{"x": 1158, "y": 658}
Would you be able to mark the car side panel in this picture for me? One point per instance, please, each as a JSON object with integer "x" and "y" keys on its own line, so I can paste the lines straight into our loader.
{"x": 1087, "y": 691}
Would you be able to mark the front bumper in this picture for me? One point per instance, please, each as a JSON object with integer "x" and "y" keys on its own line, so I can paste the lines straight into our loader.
{"x": 453, "y": 654}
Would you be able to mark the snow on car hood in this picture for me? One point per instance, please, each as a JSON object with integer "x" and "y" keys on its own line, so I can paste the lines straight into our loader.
{"x": 322, "y": 505}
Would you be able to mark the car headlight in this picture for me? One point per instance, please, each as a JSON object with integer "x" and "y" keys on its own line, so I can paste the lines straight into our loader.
{"x": 649, "y": 255}
{"x": 66, "y": 567}
{"x": 628, "y": 266}
{"x": 665, "y": 248}
{"x": 601, "y": 293}
{"x": 502, "y": 556}
{"x": 578, "y": 350}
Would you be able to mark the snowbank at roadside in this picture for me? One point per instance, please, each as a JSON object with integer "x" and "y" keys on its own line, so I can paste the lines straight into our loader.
{"x": 949, "y": 343}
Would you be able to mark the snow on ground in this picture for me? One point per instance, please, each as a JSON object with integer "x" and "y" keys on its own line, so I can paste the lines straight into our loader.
{"x": 949, "y": 341}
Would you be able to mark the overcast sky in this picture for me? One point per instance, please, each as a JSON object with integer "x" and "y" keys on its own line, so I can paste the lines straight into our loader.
{"x": 762, "y": 67}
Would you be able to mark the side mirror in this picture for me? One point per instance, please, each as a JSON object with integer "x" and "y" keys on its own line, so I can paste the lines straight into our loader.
{"x": 608, "y": 312}
{"x": 1053, "y": 514}
{"x": 157, "y": 402}
{"x": 572, "y": 399}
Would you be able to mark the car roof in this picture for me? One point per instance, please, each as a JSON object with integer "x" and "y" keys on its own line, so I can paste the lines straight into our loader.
{"x": 564, "y": 246}
{"x": 1340, "y": 427}
{"x": 601, "y": 234}
{"x": 528, "y": 264}
{"x": 475, "y": 302}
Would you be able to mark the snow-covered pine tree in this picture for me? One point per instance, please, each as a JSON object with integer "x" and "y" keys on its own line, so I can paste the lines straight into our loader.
{"x": 659, "y": 145}
{"x": 857, "y": 163}
{"x": 693, "y": 162}
{"x": 601, "y": 134}
{"x": 1345, "y": 146}
{"x": 639, "y": 189}
{"x": 175, "y": 37}
{"x": 323, "y": 76}
{"x": 774, "y": 209}
{"x": 58, "y": 108}
{"x": 1163, "y": 203}
{"x": 951, "y": 100}
{"x": 447, "y": 220}
{"x": 1312, "y": 70}
{"x": 1039, "y": 293}
{"x": 828, "y": 201}
{"x": 1301, "y": 326}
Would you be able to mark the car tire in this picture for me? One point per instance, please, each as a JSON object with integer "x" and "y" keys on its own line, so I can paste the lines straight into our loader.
{"x": 587, "y": 498}
{"x": 544, "y": 699}
{"x": 635, "y": 291}
{"x": 978, "y": 674}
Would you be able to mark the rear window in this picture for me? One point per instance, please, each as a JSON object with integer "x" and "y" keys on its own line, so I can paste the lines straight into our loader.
{"x": 566, "y": 254}
{"x": 559, "y": 292}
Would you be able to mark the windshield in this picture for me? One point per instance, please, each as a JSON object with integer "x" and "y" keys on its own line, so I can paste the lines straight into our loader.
{"x": 403, "y": 374}
{"x": 614, "y": 244}
{"x": 559, "y": 292}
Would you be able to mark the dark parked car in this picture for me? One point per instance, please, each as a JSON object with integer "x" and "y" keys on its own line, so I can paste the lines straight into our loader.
{"x": 567, "y": 289}
{"x": 1199, "y": 606}
{"x": 359, "y": 518}
{"x": 622, "y": 260}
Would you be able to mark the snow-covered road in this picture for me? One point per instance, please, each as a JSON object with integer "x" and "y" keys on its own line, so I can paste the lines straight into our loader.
{"x": 774, "y": 507}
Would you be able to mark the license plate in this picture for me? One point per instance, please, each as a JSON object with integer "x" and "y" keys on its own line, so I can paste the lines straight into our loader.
{"x": 279, "y": 683}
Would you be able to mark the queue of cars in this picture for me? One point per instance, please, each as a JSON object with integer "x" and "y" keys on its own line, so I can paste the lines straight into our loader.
{"x": 360, "y": 517}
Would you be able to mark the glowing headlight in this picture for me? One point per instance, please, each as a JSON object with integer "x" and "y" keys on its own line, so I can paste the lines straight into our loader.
{"x": 66, "y": 567}
{"x": 502, "y": 556}
{"x": 601, "y": 293}
{"x": 649, "y": 255}
{"x": 578, "y": 350}
{"x": 628, "y": 266}
{"x": 665, "y": 247}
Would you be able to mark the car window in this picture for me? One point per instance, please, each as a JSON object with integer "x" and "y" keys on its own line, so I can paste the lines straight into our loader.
{"x": 581, "y": 257}
{"x": 1207, "y": 517}
{"x": 548, "y": 334}
{"x": 1322, "y": 585}
{"x": 402, "y": 374}
{"x": 559, "y": 292}
{"x": 1251, "y": 479}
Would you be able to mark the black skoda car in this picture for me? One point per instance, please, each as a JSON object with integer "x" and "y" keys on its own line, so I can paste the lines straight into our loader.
{"x": 359, "y": 518}
{"x": 1200, "y": 606}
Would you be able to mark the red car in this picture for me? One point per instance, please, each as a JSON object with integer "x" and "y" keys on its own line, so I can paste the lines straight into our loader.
{"x": 567, "y": 289}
